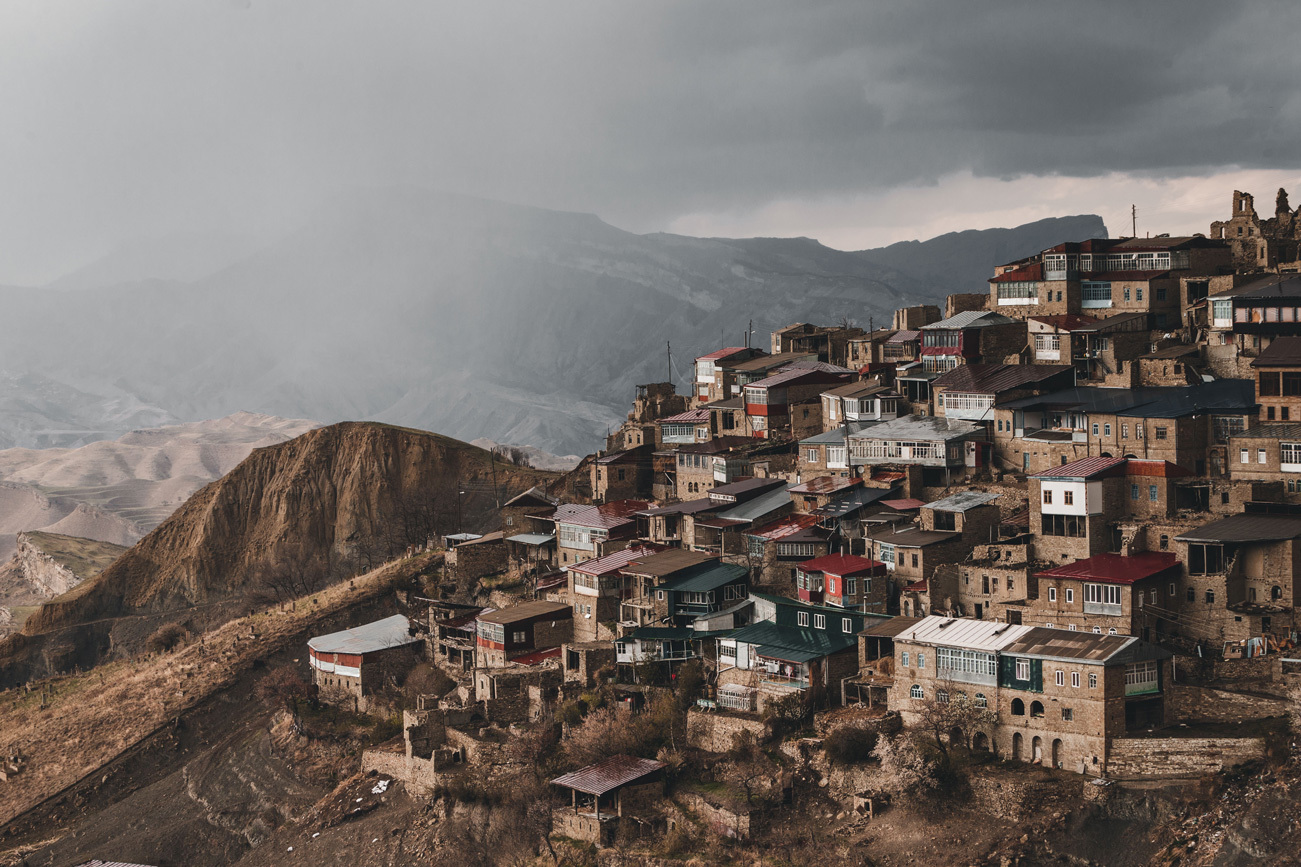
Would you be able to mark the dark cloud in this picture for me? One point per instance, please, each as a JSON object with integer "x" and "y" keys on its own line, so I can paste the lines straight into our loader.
{"x": 132, "y": 118}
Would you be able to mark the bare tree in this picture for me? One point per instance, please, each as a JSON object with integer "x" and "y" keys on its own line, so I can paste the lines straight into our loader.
{"x": 950, "y": 710}
{"x": 276, "y": 583}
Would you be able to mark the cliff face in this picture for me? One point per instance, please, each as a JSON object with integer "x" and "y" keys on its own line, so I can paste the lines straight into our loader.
{"x": 329, "y": 503}
{"x": 49, "y": 564}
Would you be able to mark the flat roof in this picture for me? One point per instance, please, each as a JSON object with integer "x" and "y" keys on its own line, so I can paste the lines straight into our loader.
{"x": 914, "y": 427}
{"x": 533, "y": 538}
{"x": 614, "y": 562}
{"x": 527, "y": 611}
{"x": 1281, "y": 352}
{"x": 986, "y": 635}
{"x": 706, "y": 578}
{"x": 826, "y": 485}
{"x": 890, "y": 628}
{"x": 962, "y": 502}
{"x": 664, "y": 563}
{"x": 841, "y": 565}
{"x": 1246, "y": 528}
{"x": 1114, "y": 568}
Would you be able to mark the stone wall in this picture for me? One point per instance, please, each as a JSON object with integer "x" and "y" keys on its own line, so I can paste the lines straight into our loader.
{"x": 716, "y": 732}
{"x": 725, "y": 822}
{"x": 416, "y": 774}
{"x": 1180, "y": 757}
{"x": 472, "y": 561}
{"x": 1187, "y": 702}
{"x": 1009, "y": 797}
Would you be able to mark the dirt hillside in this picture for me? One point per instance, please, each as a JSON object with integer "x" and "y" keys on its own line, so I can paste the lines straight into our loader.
{"x": 291, "y": 517}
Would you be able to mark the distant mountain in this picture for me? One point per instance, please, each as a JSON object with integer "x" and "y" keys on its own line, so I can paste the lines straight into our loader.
{"x": 117, "y": 490}
{"x": 474, "y": 318}
{"x": 963, "y": 261}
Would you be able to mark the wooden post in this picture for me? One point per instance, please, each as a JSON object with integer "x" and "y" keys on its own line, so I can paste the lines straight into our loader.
{"x": 573, "y": 797}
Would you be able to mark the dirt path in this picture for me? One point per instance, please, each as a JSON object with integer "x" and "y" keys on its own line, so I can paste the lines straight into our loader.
{"x": 92, "y": 719}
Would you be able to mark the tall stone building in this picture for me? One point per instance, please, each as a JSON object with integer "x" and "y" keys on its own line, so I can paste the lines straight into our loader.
{"x": 1267, "y": 244}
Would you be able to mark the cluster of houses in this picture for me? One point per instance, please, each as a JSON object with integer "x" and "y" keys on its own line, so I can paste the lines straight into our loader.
{"x": 1036, "y": 498}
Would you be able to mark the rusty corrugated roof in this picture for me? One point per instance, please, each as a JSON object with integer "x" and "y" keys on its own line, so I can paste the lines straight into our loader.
{"x": 611, "y": 774}
{"x": 1114, "y": 568}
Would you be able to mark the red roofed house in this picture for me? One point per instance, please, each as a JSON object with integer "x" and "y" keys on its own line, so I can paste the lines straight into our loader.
{"x": 506, "y": 634}
{"x": 844, "y": 581}
{"x": 1107, "y": 593}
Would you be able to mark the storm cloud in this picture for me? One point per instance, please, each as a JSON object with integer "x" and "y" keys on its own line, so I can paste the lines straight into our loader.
{"x": 132, "y": 119}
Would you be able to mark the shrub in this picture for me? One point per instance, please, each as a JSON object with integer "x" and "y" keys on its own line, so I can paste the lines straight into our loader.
{"x": 690, "y": 683}
{"x": 166, "y": 638}
{"x": 850, "y": 744}
{"x": 284, "y": 688}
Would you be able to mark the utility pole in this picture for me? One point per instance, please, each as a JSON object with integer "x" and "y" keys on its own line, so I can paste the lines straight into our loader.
{"x": 669, "y": 345}
{"x": 1133, "y": 221}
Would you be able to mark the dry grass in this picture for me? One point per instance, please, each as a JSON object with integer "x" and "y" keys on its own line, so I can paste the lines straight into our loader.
{"x": 91, "y": 718}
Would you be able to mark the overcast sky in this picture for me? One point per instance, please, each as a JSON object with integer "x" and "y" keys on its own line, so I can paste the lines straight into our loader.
{"x": 859, "y": 123}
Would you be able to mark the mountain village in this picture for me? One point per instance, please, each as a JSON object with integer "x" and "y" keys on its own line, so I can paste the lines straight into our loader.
{"x": 1055, "y": 525}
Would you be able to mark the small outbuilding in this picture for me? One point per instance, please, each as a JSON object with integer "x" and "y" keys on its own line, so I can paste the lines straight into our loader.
{"x": 603, "y": 794}
{"x": 348, "y": 666}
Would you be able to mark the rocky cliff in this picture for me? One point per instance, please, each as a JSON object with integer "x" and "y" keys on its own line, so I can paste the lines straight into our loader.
{"x": 50, "y": 564}
{"x": 293, "y": 516}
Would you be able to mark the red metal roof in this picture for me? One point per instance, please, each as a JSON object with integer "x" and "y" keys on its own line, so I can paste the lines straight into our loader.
{"x": 826, "y": 485}
{"x": 1024, "y": 274}
{"x": 611, "y": 563}
{"x": 1084, "y": 468}
{"x": 904, "y": 337}
{"x": 1164, "y": 469}
{"x": 841, "y": 565}
{"x": 1114, "y": 568}
{"x": 691, "y": 416}
{"x": 789, "y": 375}
{"x": 787, "y": 526}
{"x": 535, "y": 658}
{"x": 917, "y": 586}
{"x": 903, "y": 505}
{"x": 996, "y": 378}
{"x": 720, "y": 353}
{"x": 889, "y": 476}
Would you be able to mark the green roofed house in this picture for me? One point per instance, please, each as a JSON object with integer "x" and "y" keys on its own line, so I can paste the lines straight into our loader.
{"x": 790, "y": 647}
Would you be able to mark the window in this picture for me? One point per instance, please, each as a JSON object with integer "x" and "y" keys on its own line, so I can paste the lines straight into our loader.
{"x": 727, "y": 651}
{"x": 1075, "y": 679}
{"x": 1124, "y": 431}
{"x": 1018, "y": 707}
{"x": 1111, "y": 630}
{"x": 1048, "y": 497}
{"x": 1152, "y": 494}
{"x": 915, "y": 692}
{"x": 1106, "y": 430}
{"x": 1210, "y": 597}
{"x": 1260, "y": 456}
{"x": 846, "y": 625}
{"x": 1138, "y": 431}
{"x": 1133, "y": 492}
{"x": 1070, "y": 595}
{"x": 1161, "y": 433}
{"x": 1036, "y": 709}
{"x": 942, "y": 696}
{"x": 1068, "y": 497}
{"x": 981, "y": 701}
{"x": 518, "y": 637}
{"x": 819, "y": 621}
{"x": 1095, "y": 428}
{"x": 1023, "y": 669}
{"x": 1059, "y": 677}
{"x": 914, "y": 561}
{"x": 811, "y": 455}
{"x": 1052, "y": 594}
{"x": 1093, "y": 680}
{"x": 1097, "y": 630}
{"x": 1138, "y": 294}
{"x": 966, "y": 665}
{"x": 1068, "y": 714}
{"x": 903, "y": 659}
{"x": 1164, "y": 542}
{"x": 802, "y": 618}
{"x": 1126, "y": 294}
{"x": 921, "y": 660}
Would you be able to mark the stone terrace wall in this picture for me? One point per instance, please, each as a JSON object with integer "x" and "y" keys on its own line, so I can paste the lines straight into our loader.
{"x": 716, "y": 732}
{"x": 416, "y": 774}
{"x": 1186, "y": 702}
{"x": 1180, "y": 757}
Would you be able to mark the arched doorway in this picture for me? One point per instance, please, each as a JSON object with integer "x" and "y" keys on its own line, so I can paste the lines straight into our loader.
{"x": 955, "y": 737}
{"x": 1016, "y": 747}
{"x": 1037, "y": 750}
{"x": 980, "y": 742}
{"x": 1057, "y": 752}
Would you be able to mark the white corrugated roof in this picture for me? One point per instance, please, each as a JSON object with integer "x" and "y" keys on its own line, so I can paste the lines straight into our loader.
{"x": 392, "y": 631}
{"x": 986, "y": 635}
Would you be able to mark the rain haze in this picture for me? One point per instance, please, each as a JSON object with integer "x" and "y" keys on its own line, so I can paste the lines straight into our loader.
{"x": 203, "y": 143}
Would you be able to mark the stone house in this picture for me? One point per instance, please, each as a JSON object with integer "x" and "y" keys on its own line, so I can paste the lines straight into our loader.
{"x": 857, "y": 401}
{"x": 604, "y": 794}
{"x": 1264, "y": 310}
{"x": 970, "y": 337}
{"x": 1240, "y": 577}
{"x": 503, "y": 635}
{"x": 830, "y": 343}
{"x": 867, "y": 350}
{"x": 1259, "y": 244}
{"x": 1268, "y": 453}
{"x": 827, "y": 454}
{"x": 586, "y": 532}
{"x": 774, "y": 551}
{"x": 638, "y": 605}
{"x": 349, "y": 666}
{"x": 477, "y": 558}
{"x": 994, "y": 582}
{"x": 902, "y": 346}
{"x": 1278, "y": 380}
{"x": 518, "y": 514}
{"x": 916, "y": 317}
{"x": 723, "y": 530}
{"x": 596, "y": 588}
{"x": 733, "y": 375}
{"x": 818, "y": 491}
{"x": 651, "y": 403}
{"x": 622, "y": 475}
{"x": 911, "y": 554}
{"x": 1059, "y": 338}
{"x": 529, "y": 556}
{"x": 718, "y": 461}
{"x": 685, "y": 428}
{"x": 1108, "y": 593}
{"x": 1058, "y": 698}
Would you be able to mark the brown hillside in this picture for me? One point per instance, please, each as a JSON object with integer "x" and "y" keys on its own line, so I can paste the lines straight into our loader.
{"x": 330, "y": 503}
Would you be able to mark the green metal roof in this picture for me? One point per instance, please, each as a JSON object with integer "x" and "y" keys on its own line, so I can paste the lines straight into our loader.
{"x": 793, "y": 643}
{"x": 710, "y": 578}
